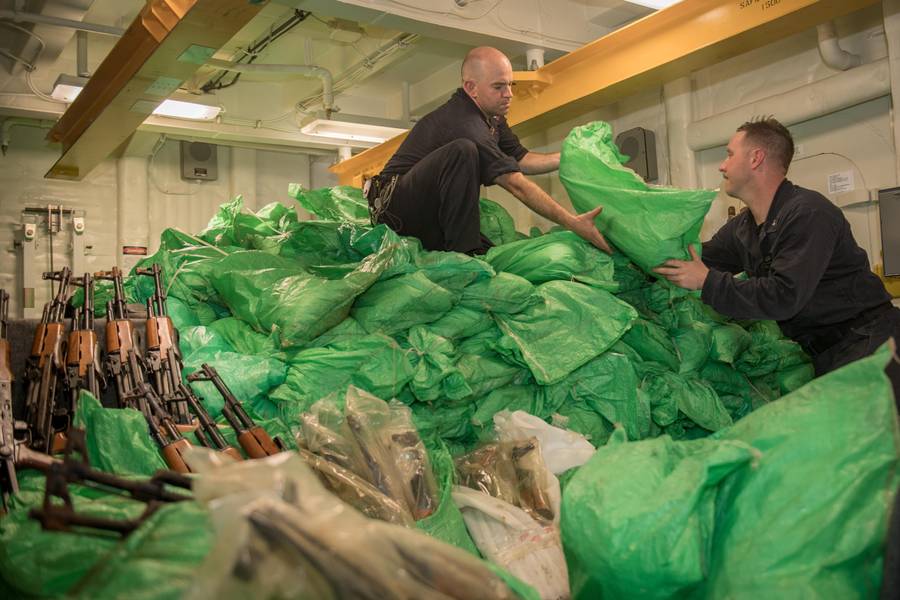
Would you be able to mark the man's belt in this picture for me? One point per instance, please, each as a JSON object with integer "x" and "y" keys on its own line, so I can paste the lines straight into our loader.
{"x": 378, "y": 192}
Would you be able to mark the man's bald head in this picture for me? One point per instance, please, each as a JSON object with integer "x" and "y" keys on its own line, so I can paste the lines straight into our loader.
{"x": 487, "y": 78}
{"x": 481, "y": 61}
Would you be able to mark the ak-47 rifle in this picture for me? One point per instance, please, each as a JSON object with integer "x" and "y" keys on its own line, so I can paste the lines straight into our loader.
{"x": 172, "y": 445}
{"x": 60, "y": 473}
{"x": 164, "y": 365}
{"x": 122, "y": 363}
{"x": 44, "y": 368}
{"x": 83, "y": 351}
{"x": 9, "y": 484}
{"x": 255, "y": 440}
{"x": 207, "y": 431}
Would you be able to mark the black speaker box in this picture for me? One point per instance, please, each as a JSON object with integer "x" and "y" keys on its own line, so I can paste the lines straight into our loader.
{"x": 199, "y": 161}
{"x": 639, "y": 145}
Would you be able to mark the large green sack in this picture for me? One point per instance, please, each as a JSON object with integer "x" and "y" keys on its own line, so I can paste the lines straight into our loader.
{"x": 397, "y": 304}
{"x": 446, "y": 523}
{"x": 496, "y": 224}
{"x": 504, "y": 293}
{"x": 37, "y": 563}
{"x": 790, "y": 502}
{"x": 163, "y": 552}
{"x": 183, "y": 260}
{"x": 609, "y": 386}
{"x": 118, "y": 440}
{"x": 339, "y": 203}
{"x": 649, "y": 224}
{"x": 434, "y": 360}
{"x": 573, "y": 324}
{"x": 557, "y": 255}
{"x": 276, "y": 296}
{"x": 374, "y": 363}
{"x": 158, "y": 561}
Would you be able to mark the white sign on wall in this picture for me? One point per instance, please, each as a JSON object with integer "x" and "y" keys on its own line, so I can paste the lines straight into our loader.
{"x": 840, "y": 183}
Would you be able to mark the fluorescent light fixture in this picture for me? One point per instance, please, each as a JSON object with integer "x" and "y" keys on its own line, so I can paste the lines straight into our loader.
{"x": 67, "y": 88}
{"x": 657, "y": 4}
{"x": 187, "y": 110}
{"x": 353, "y": 128}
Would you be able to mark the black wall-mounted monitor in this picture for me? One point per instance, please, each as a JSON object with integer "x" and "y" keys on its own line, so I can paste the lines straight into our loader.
{"x": 889, "y": 207}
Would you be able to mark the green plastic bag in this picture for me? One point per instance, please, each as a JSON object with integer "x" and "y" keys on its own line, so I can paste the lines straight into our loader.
{"x": 504, "y": 293}
{"x": 118, "y": 440}
{"x": 41, "y": 563}
{"x": 340, "y": 203}
{"x": 496, "y": 224}
{"x": 649, "y": 224}
{"x": 461, "y": 322}
{"x": 572, "y": 325}
{"x": 446, "y": 523}
{"x": 558, "y": 255}
{"x": 184, "y": 260}
{"x": 374, "y": 363}
{"x": 272, "y": 295}
{"x": 435, "y": 372}
{"x": 158, "y": 561}
{"x": 609, "y": 386}
{"x": 397, "y": 304}
{"x": 652, "y": 343}
{"x": 747, "y": 512}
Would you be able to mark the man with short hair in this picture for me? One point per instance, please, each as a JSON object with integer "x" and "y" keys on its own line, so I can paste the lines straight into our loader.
{"x": 430, "y": 187}
{"x": 805, "y": 269}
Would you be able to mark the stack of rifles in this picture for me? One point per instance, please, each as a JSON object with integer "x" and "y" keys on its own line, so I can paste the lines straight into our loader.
{"x": 147, "y": 374}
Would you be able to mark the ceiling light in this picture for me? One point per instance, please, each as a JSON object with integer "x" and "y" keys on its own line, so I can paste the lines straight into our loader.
{"x": 353, "y": 128}
{"x": 187, "y": 110}
{"x": 67, "y": 88}
{"x": 657, "y": 4}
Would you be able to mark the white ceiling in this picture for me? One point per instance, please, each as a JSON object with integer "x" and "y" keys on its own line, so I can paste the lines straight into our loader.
{"x": 443, "y": 31}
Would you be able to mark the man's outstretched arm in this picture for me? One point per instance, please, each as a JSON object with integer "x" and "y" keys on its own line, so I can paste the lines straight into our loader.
{"x": 540, "y": 202}
{"x": 538, "y": 163}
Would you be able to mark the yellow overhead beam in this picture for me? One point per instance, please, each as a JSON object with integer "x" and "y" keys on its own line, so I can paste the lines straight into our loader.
{"x": 165, "y": 44}
{"x": 663, "y": 46}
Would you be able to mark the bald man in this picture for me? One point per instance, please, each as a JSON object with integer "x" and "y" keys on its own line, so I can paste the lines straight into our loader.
{"x": 430, "y": 188}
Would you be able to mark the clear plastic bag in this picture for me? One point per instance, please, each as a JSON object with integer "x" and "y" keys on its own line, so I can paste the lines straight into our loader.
{"x": 490, "y": 469}
{"x": 513, "y": 471}
{"x": 509, "y": 537}
{"x": 325, "y": 432}
{"x": 280, "y": 534}
{"x": 357, "y": 492}
{"x": 367, "y": 416}
{"x": 411, "y": 459}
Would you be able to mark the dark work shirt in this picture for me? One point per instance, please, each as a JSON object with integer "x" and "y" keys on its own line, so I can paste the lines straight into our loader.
{"x": 805, "y": 269}
{"x": 499, "y": 150}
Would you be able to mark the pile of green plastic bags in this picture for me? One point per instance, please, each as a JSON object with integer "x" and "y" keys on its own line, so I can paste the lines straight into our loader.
{"x": 292, "y": 311}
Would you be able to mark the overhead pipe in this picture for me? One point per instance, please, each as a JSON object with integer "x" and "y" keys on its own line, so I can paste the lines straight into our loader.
{"x": 830, "y": 49}
{"x": 682, "y": 162}
{"x": 823, "y": 97}
{"x": 891, "y": 12}
{"x": 305, "y": 70}
{"x": 81, "y": 54}
{"x": 11, "y": 122}
{"x": 21, "y": 16}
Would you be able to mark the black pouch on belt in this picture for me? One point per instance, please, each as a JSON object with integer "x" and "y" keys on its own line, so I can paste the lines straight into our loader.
{"x": 378, "y": 192}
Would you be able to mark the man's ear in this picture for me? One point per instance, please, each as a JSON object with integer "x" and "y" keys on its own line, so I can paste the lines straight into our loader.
{"x": 470, "y": 87}
{"x": 757, "y": 157}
